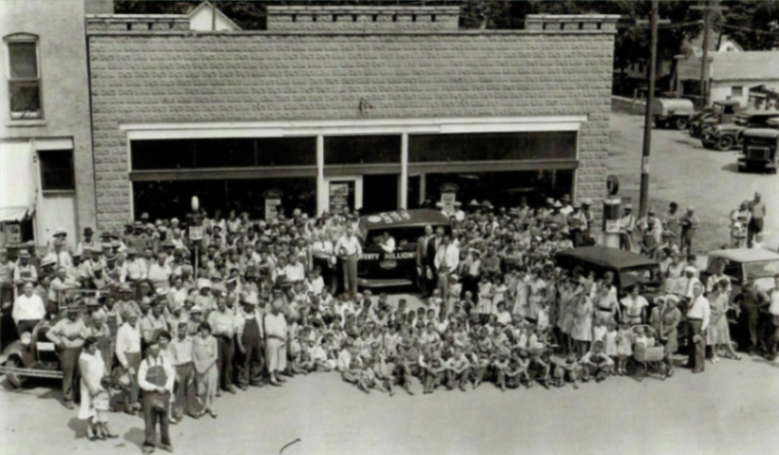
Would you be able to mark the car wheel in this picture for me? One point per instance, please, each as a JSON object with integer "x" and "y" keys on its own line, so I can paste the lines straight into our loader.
{"x": 725, "y": 143}
{"x": 14, "y": 379}
{"x": 681, "y": 123}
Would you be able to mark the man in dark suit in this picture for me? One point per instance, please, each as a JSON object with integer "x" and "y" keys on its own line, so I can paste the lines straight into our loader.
{"x": 425, "y": 260}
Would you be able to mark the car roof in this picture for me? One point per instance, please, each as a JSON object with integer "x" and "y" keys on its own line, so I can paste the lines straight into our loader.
{"x": 762, "y": 132}
{"x": 414, "y": 217}
{"x": 608, "y": 257}
{"x": 744, "y": 255}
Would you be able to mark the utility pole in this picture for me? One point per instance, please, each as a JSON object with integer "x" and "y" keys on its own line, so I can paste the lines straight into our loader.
{"x": 644, "y": 198}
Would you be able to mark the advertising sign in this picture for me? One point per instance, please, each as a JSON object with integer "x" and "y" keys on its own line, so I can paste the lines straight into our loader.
{"x": 272, "y": 203}
{"x": 339, "y": 197}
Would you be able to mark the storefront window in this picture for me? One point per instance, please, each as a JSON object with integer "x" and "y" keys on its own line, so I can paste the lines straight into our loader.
{"x": 167, "y": 199}
{"x": 548, "y": 145}
{"x": 221, "y": 153}
{"x": 502, "y": 189}
{"x": 362, "y": 150}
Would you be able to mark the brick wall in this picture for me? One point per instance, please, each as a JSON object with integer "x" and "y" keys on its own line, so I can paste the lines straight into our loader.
{"x": 152, "y": 78}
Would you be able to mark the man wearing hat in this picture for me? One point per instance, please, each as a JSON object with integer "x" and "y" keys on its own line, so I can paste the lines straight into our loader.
{"x": 577, "y": 224}
{"x": 156, "y": 376}
{"x": 566, "y": 209}
{"x": 87, "y": 242}
{"x": 24, "y": 270}
{"x": 689, "y": 223}
{"x": 698, "y": 317}
{"x": 128, "y": 352}
{"x": 62, "y": 282}
{"x": 160, "y": 272}
{"x": 626, "y": 225}
{"x": 250, "y": 338}
{"x": 59, "y": 250}
{"x": 223, "y": 328}
{"x": 757, "y": 209}
{"x": 686, "y": 284}
{"x": 348, "y": 249}
{"x": 182, "y": 355}
{"x": 69, "y": 334}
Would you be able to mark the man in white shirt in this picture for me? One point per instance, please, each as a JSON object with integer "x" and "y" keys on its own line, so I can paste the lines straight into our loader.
{"x": 28, "y": 310}
{"x": 773, "y": 313}
{"x": 295, "y": 271}
{"x": 698, "y": 316}
{"x": 349, "y": 250}
{"x": 447, "y": 257}
{"x": 128, "y": 352}
{"x": 156, "y": 377}
{"x": 685, "y": 285}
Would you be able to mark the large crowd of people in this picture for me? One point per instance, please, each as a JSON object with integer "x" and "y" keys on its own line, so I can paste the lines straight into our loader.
{"x": 147, "y": 321}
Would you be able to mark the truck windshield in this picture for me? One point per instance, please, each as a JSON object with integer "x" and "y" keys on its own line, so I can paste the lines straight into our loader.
{"x": 402, "y": 235}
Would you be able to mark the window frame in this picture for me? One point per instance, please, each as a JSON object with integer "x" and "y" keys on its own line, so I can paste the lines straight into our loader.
{"x": 72, "y": 187}
{"x": 17, "y": 38}
{"x": 740, "y": 90}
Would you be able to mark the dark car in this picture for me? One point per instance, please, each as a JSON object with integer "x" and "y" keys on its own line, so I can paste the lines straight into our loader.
{"x": 722, "y": 112}
{"x": 378, "y": 268}
{"x": 760, "y": 150}
{"x": 628, "y": 268}
{"x": 725, "y": 136}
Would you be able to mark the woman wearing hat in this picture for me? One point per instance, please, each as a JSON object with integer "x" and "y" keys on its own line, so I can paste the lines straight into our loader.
{"x": 92, "y": 370}
{"x": 276, "y": 342}
{"x": 69, "y": 334}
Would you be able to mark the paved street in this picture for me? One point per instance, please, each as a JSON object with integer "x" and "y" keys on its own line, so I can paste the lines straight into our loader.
{"x": 683, "y": 171}
{"x": 732, "y": 408}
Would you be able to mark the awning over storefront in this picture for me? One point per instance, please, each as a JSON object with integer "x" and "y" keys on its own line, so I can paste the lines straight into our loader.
{"x": 18, "y": 185}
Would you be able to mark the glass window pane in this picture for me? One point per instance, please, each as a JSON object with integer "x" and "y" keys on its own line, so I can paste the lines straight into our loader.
{"x": 492, "y": 146}
{"x": 221, "y": 153}
{"x": 25, "y": 98}
{"x": 362, "y": 150}
{"x": 57, "y": 170}
{"x": 24, "y": 62}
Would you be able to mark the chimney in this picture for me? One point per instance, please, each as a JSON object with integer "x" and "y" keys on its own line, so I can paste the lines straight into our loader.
{"x": 362, "y": 18}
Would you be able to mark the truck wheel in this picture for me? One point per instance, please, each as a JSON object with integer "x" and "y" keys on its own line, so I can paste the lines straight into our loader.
{"x": 681, "y": 123}
{"x": 725, "y": 143}
{"x": 14, "y": 379}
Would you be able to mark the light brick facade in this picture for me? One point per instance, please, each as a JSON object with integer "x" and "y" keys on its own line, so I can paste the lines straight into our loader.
{"x": 276, "y": 76}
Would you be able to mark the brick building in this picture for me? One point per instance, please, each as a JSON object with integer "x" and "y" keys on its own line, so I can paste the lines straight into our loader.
{"x": 375, "y": 108}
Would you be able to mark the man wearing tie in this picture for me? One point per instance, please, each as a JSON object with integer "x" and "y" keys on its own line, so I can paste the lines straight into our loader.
{"x": 685, "y": 285}
{"x": 446, "y": 259}
{"x": 698, "y": 316}
{"x": 349, "y": 250}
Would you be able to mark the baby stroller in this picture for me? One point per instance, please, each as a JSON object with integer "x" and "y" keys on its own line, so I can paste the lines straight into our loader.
{"x": 647, "y": 360}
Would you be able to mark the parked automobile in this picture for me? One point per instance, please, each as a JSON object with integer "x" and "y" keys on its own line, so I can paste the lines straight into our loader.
{"x": 377, "y": 268}
{"x": 628, "y": 268}
{"x": 721, "y": 112}
{"x": 697, "y": 119}
{"x": 672, "y": 112}
{"x": 759, "y": 150}
{"x": 756, "y": 264}
{"x": 726, "y": 136}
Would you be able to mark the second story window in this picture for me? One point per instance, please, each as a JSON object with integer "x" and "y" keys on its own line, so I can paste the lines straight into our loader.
{"x": 24, "y": 76}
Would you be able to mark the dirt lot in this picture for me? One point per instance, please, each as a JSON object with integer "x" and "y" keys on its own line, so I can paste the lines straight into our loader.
{"x": 683, "y": 171}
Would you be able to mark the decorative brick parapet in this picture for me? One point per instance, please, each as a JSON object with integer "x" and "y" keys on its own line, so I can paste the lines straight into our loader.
{"x": 137, "y": 22}
{"x": 592, "y": 23}
{"x": 368, "y": 18}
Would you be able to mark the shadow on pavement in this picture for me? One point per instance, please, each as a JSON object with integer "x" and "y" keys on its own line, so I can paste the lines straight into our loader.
{"x": 134, "y": 435}
{"x": 688, "y": 144}
{"x": 79, "y": 428}
{"x": 730, "y": 167}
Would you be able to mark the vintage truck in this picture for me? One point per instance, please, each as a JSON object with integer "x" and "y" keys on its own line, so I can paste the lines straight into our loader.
{"x": 726, "y": 136}
{"x": 672, "y": 112}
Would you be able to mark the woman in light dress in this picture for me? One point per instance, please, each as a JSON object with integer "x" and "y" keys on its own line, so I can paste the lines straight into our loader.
{"x": 94, "y": 396}
{"x": 718, "y": 332}
{"x": 204, "y": 354}
{"x": 582, "y": 324}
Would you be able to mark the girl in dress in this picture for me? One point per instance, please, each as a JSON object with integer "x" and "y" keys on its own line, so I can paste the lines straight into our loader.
{"x": 610, "y": 341}
{"x": 599, "y": 328}
{"x": 582, "y": 324}
{"x": 499, "y": 291}
{"x": 624, "y": 346}
{"x": 206, "y": 375}
{"x": 484, "y": 305}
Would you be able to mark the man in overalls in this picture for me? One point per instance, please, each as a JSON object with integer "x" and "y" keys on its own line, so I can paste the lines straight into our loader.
{"x": 250, "y": 342}
{"x": 156, "y": 377}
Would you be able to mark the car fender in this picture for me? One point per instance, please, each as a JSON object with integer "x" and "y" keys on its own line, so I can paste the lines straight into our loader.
{"x": 14, "y": 349}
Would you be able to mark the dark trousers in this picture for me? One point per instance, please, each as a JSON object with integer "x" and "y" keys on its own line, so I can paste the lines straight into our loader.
{"x": 772, "y": 334}
{"x": 755, "y": 227}
{"x": 151, "y": 417}
{"x": 749, "y": 319}
{"x": 186, "y": 394}
{"x": 349, "y": 265}
{"x": 26, "y": 326}
{"x": 69, "y": 365}
{"x": 687, "y": 235}
{"x": 133, "y": 361}
{"x": 697, "y": 355}
{"x": 224, "y": 361}
{"x": 252, "y": 361}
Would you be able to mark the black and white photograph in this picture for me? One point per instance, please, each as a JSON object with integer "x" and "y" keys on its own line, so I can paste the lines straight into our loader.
{"x": 390, "y": 227}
